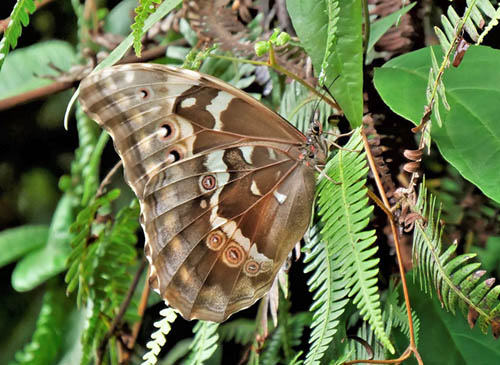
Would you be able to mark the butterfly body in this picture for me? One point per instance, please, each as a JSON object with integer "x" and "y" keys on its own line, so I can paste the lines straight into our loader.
{"x": 226, "y": 185}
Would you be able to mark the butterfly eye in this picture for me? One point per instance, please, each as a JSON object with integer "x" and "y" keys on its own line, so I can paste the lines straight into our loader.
{"x": 215, "y": 240}
{"x": 233, "y": 255}
{"x": 208, "y": 182}
{"x": 166, "y": 131}
{"x": 143, "y": 93}
{"x": 311, "y": 155}
{"x": 316, "y": 128}
{"x": 173, "y": 155}
{"x": 252, "y": 267}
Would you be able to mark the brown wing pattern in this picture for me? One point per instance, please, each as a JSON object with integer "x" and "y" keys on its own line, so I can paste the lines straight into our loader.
{"x": 223, "y": 195}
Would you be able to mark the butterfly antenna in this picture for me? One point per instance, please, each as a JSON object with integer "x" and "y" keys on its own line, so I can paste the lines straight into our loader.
{"x": 325, "y": 90}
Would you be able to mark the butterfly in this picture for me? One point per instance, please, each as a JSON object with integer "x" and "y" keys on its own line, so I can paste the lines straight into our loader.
{"x": 226, "y": 185}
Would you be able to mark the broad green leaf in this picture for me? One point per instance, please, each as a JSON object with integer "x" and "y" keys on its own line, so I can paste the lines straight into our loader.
{"x": 469, "y": 138}
{"x": 50, "y": 260}
{"x": 448, "y": 339}
{"x": 381, "y": 26}
{"x": 17, "y": 242}
{"x": 119, "y": 18}
{"x": 25, "y": 68}
{"x": 310, "y": 20}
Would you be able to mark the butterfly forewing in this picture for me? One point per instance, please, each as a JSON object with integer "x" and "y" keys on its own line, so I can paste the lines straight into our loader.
{"x": 223, "y": 193}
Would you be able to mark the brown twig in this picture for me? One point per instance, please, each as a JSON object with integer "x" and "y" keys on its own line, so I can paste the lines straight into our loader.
{"x": 412, "y": 347}
{"x": 108, "y": 177}
{"x": 58, "y": 86}
{"x": 123, "y": 308}
{"x": 137, "y": 325}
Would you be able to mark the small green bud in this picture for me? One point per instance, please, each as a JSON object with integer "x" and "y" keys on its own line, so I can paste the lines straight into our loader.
{"x": 261, "y": 48}
{"x": 282, "y": 39}
{"x": 274, "y": 36}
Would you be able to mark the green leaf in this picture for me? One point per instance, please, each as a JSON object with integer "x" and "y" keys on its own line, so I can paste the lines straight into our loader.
{"x": 310, "y": 20}
{"x": 17, "y": 242}
{"x": 469, "y": 138}
{"x": 381, "y": 26}
{"x": 445, "y": 338}
{"x": 50, "y": 260}
{"x": 119, "y": 20}
{"x": 35, "y": 61}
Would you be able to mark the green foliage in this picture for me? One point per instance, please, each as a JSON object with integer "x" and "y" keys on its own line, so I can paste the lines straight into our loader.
{"x": 340, "y": 254}
{"x": 315, "y": 26}
{"x": 298, "y": 106}
{"x": 36, "y": 60}
{"x": 457, "y": 280}
{"x": 280, "y": 346}
{"x": 158, "y": 338}
{"x": 48, "y": 335}
{"x": 330, "y": 294}
{"x": 473, "y": 90}
{"x": 47, "y": 261}
{"x": 103, "y": 253}
{"x": 344, "y": 213}
{"x": 17, "y": 242}
{"x": 205, "y": 342}
{"x": 444, "y": 338}
{"x": 20, "y": 16}
{"x": 241, "y": 331}
{"x": 381, "y": 26}
{"x": 395, "y": 313}
{"x": 332, "y": 9}
{"x": 143, "y": 11}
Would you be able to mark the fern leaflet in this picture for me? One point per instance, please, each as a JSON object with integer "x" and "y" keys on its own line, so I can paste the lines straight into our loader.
{"x": 330, "y": 294}
{"x": 143, "y": 11}
{"x": 158, "y": 338}
{"x": 205, "y": 342}
{"x": 344, "y": 213}
{"x": 47, "y": 339}
{"x": 20, "y": 16}
{"x": 456, "y": 279}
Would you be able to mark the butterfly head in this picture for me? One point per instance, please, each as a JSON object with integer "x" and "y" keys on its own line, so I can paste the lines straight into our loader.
{"x": 315, "y": 151}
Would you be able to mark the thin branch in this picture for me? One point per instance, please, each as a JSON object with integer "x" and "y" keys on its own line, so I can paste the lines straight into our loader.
{"x": 273, "y": 64}
{"x": 137, "y": 325}
{"x": 412, "y": 347}
{"x": 123, "y": 308}
{"x": 58, "y": 86}
{"x": 108, "y": 178}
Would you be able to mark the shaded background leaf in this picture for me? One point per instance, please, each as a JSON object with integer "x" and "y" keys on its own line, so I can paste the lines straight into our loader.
{"x": 470, "y": 136}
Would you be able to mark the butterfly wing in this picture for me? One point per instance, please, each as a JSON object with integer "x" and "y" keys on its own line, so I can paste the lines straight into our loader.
{"x": 223, "y": 194}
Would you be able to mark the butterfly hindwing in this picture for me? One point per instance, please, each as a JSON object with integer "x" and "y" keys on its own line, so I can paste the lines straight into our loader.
{"x": 223, "y": 194}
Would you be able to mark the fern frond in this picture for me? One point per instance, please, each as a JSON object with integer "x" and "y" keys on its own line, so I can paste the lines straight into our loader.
{"x": 241, "y": 331}
{"x": 333, "y": 10}
{"x": 476, "y": 14}
{"x": 46, "y": 343}
{"x": 344, "y": 212}
{"x": 297, "y": 106}
{"x": 158, "y": 338}
{"x": 330, "y": 294}
{"x": 205, "y": 342}
{"x": 457, "y": 280}
{"x": 143, "y": 11}
{"x": 81, "y": 260}
{"x": 395, "y": 312}
{"x": 103, "y": 253}
{"x": 20, "y": 16}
